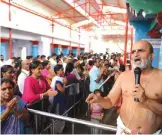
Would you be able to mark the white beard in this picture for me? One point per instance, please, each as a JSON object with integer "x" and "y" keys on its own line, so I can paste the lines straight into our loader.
{"x": 145, "y": 63}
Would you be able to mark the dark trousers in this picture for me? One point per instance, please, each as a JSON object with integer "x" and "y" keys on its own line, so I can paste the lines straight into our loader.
{"x": 59, "y": 99}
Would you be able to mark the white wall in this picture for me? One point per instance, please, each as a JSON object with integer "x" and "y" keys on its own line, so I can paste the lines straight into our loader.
{"x": 114, "y": 45}
{"x": 28, "y": 22}
{"x": 17, "y": 34}
{"x": 18, "y": 45}
{"x": 44, "y": 47}
{"x": 4, "y": 32}
{"x": 61, "y": 32}
{"x": 62, "y": 42}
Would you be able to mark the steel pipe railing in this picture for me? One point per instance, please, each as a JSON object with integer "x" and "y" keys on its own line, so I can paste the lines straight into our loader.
{"x": 74, "y": 120}
{"x": 55, "y": 121}
{"x": 41, "y": 102}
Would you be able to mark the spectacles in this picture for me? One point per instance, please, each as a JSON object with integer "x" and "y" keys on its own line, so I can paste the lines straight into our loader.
{"x": 138, "y": 51}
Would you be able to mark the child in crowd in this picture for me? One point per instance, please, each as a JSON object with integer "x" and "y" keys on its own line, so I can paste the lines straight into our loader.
{"x": 58, "y": 102}
{"x": 96, "y": 113}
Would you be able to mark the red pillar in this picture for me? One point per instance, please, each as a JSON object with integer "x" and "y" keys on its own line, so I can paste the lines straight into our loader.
{"x": 10, "y": 31}
{"x": 52, "y": 45}
{"x": 126, "y": 37}
{"x": 131, "y": 46}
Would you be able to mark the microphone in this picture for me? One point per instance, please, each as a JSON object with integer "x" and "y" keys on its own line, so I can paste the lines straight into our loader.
{"x": 137, "y": 74}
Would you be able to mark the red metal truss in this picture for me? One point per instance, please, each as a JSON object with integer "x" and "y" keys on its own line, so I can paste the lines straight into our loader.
{"x": 93, "y": 16}
{"x": 44, "y": 4}
{"x": 71, "y": 8}
{"x": 25, "y": 9}
{"x": 99, "y": 12}
{"x": 100, "y": 17}
{"x": 59, "y": 8}
{"x": 33, "y": 12}
{"x": 114, "y": 37}
{"x": 48, "y": 5}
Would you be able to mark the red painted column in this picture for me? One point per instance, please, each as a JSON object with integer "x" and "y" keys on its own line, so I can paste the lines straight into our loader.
{"x": 10, "y": 31}
{"x": 126, "y": 37}
{"x": 52, "y": 45}
{"x": 131, "y": 46}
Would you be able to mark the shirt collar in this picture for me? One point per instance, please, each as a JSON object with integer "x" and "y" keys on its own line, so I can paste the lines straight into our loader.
{"x": 95, "y": 67}
{"x": 25, "y": 71}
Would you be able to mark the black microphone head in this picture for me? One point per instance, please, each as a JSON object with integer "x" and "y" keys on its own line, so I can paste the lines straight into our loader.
{"x": 137, "y": 74}
{"x": 137, "y": 70}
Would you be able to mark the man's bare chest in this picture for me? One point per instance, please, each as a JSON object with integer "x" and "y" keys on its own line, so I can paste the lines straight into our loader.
{"x": 153, "y": 87}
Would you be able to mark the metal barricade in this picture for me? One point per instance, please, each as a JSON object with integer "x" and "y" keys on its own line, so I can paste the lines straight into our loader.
{"x": 70, "y": 93}
{"x": 74, "y": 121}
{"x": 41, "y": 105}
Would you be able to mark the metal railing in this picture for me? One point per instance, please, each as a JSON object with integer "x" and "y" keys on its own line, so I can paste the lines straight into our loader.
{"x": 56, "y": 118}
{"x": 74, "y": 120}
{"x": 54, "y": 122}
{"x": 38, "y": 120}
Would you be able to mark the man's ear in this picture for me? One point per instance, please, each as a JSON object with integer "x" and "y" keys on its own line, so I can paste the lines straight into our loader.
{"x": 32, "y": 71}
{"x": 152, "y": 56}
{"x": 3, "y": 74}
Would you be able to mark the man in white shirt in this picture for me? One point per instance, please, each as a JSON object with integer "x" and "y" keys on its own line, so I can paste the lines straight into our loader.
{"x": 95, "y": 75}
{"x": 24, "y": 73}
{"x": 65, "y": 60}
{"x": 53, "y": 61}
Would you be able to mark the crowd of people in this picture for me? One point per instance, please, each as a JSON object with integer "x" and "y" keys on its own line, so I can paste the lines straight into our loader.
{"x": 34, "y": 79}
{"x": 45, "y": 78}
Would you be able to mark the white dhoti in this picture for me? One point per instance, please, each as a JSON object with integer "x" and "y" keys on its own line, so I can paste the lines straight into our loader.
{"x": 123, "y": 130}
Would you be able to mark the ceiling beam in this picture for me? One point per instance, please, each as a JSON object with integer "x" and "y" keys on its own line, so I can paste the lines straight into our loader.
{"x": 82, "y": 12}
{"x": 100, "y": 6}
{"x": 65, "y": 10}
{"x": 114, "y": 36}
{"x": 79, "y": 24}
{"x": 52, "y": 4}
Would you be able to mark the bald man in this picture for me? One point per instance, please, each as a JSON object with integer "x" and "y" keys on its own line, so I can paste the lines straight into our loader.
{"x": 24, "y": 73}
{"x": 145, "y": 116}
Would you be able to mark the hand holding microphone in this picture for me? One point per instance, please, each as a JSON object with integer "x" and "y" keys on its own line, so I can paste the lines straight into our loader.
{"x": 138, "y": 91}
{"x": 137, "y": 74}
